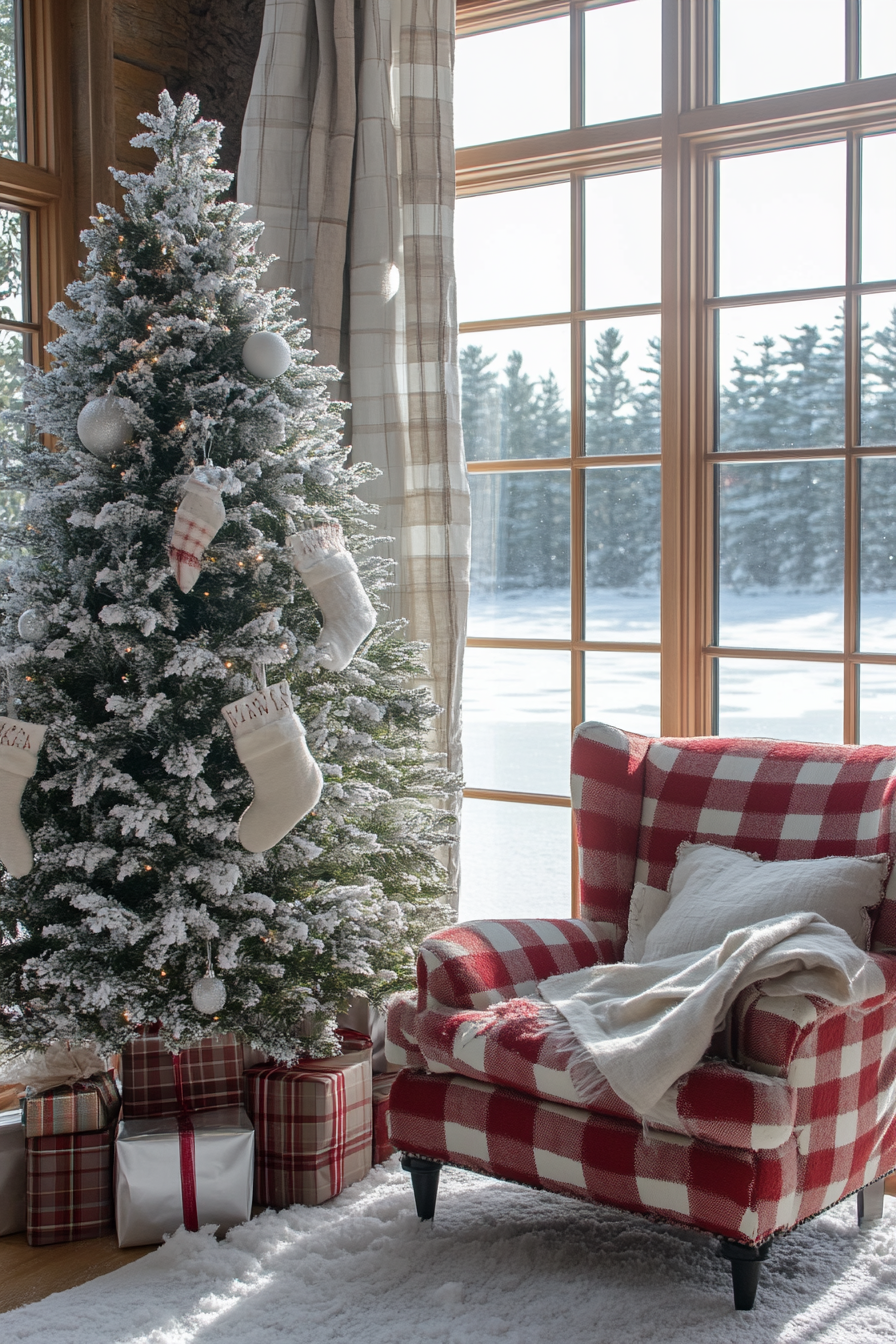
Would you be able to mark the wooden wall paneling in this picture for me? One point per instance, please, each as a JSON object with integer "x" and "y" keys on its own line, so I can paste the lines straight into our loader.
{"x": 152, "y": 34}
{"x": 93, "y": 107}
{"x": 136, "y": 90}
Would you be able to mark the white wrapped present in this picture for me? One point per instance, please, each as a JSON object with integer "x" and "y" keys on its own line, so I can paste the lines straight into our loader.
{"x": 191, "y": 1169}
{"x": 12, "y": 1173}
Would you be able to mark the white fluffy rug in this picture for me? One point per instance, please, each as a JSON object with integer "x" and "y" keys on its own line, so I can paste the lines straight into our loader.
{"x": 500, "y": 1263}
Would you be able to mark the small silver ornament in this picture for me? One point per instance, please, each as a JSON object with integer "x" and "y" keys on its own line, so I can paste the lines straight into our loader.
{"x": 31, "y": 626}
{"x": 209, "y": 994}
{"x": 266, "y": 354}
{"x": 103, "y": 427}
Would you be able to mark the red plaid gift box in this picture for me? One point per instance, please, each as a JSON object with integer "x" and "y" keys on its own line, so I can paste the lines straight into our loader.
{"x": 75, "y": 1108}
{"x": 382, "y": 1146}
{"x": 211, "y": 1077}
{"x": 69, "y": 1187}
{"x": 313, "y": 1127}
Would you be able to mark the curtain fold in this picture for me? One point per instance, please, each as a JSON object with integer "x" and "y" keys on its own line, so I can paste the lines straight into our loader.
{"x": 348, "y": 157}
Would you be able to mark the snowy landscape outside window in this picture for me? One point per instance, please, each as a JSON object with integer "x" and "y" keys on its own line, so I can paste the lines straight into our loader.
{"x": 678, "y": 353}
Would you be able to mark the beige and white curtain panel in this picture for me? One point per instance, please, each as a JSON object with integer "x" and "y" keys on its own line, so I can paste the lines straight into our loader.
{"x": 348, "y": 157}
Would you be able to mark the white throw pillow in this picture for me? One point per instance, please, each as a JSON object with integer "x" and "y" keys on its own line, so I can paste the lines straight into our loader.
{"x": 714, "y": 890}
{"x": 647, "y": 905}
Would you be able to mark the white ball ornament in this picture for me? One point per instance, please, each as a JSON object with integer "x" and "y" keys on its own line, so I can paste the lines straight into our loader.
{"x": 209, "y": 994}
{"x": 266, "y": 354}
{"x": 103, "y": 427}
{"x": 32, "y": 626}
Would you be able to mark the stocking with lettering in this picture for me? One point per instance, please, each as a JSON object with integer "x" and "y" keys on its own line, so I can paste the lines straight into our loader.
{"x": 20, "y": 743}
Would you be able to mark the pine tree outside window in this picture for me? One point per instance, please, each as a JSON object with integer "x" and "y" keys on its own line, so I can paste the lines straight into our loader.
{"x": 677, "y": 295}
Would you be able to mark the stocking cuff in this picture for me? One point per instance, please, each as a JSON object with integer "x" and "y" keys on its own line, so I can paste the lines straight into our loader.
{"x": 268, "y": 738}
{"x": 19, "y": 744}
{"x": 316, "y": 544}
{"x": 258, "y": 710}
{"x": 203, "y": 482}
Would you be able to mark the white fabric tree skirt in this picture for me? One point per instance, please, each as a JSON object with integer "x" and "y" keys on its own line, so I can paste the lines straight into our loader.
{"x": 500, "y": 1263}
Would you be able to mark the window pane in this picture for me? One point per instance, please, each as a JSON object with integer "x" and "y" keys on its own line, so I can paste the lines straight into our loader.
{"x": 512, "y": 253}
{"x": 623, "y": 69}
{"x": 15, "y": 349}
{"x": 512, "y": 83}
{"x": 519, "y": 578}
{"x": 877, "y": 606}
{"x": 781, "y": 555}
{"x": 878, "y": 38}
{"x": 773, "y": 46}
{"x": 878, "y": 206}
{"x": 622, "y": 382}
{"x": 781, "y": 375}
{"x": 14, "y": 297}
{"x": 622, "y": 239}
{"x": 762, "y": 698}
{"x": 11, "y": 95}
{"x": 623, "y": 689}
{"x": 515, "y": 393}
{"x": 622, "y": 541}
{"x": 877, "y": 704}
{"x": 516, "y": 720}
{"x": 782, "y": 219}
{"x": 878, "y": 313}
{"x": 515, "y": 861}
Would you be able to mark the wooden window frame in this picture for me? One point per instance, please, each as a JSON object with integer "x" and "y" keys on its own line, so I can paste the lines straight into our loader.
{"x": 41, "y": 184}
{"x": 689, "y": 133}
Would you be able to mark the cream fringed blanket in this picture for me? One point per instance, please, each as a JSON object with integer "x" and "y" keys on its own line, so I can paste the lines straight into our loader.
{"x": 642, "y": 1026}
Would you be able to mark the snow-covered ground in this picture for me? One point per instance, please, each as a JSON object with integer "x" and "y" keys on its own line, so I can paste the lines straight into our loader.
{"x": 517, "y": 722}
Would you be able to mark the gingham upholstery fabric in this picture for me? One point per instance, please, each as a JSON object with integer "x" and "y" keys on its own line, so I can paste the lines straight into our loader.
{"x": 313, "y": 1128}
{"x": 212, "y": 1074}
{"x": 402, "y": 1050}
{"x": 508, "y": 1044}
{"x": 89, "y": 1105}
{"x": 483, "y": 962}
{"x": 733, "y": 1192}
{"x": 747, "y": 1160}
{"x": 68, "y": 1192}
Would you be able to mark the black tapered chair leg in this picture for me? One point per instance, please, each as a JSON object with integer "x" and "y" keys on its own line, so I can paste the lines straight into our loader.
{"x": 425, "y": 1180}
{"x": 745, "y": 1265}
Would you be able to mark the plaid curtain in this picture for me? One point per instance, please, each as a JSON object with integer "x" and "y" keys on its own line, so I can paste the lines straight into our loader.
{"x": 348, "y": 157}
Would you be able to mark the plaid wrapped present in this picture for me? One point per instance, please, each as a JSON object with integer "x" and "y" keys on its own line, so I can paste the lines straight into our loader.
{"x": 382, "y": 1146}
{"x": 313, "y": 1126}
{"x": 68, "y": 1180}
{"x": 74, "y": 1108}
{"x": 211, "y": 1077}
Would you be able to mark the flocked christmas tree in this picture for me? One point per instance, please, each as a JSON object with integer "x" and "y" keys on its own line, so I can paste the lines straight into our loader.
{"x": 182, "y": 579}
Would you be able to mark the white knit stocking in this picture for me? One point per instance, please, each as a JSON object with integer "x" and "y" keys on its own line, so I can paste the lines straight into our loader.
{"x": 200, "y": 516}
{"x": 19, "y": 744}
{"x": 270, "y": 742}
{"x": 331, "y": 575}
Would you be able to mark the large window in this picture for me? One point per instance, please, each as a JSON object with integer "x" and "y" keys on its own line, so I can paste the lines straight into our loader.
{"x": 36, "y": 236}
{"x": 676, "y": 256}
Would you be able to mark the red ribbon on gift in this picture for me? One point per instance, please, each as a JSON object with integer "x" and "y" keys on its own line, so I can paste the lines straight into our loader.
{"x": 187, "y": 1143}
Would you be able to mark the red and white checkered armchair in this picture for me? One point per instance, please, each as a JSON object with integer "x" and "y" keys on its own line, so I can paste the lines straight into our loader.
{"x": 792, "y": 1108}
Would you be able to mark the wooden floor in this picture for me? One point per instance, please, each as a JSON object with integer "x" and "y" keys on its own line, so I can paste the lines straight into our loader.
{"x": 28, "y": 1273}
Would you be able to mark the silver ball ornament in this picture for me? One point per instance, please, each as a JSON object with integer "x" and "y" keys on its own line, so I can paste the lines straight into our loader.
{"x": 103, "y": 427}
{"x": 266, "y": 354}
{"x": 209, "y": 994}
{"x": 31, "y": 626}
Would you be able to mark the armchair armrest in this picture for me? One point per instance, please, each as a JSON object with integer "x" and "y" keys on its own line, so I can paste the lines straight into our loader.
{"x": 490, "y": 960}
{"x": 788, "y": 1037}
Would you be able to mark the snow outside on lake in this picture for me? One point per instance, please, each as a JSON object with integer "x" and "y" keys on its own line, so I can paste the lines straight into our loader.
{"x": 514, "y": 856}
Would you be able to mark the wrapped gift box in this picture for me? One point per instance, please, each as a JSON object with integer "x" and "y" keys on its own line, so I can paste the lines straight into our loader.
{"x": 382, "y": 1086}
{"x": 12, "y": 1173}
{"x": 68, "y": 1187}
{"x": 189, "y": 1169}
{"x": 203, "y": 1077}
{"x": 313, "y": 1126}
{"x": 76, "y": 1107}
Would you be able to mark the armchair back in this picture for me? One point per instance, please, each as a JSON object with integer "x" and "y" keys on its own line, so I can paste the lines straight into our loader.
{"x": 636, "y": 798}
